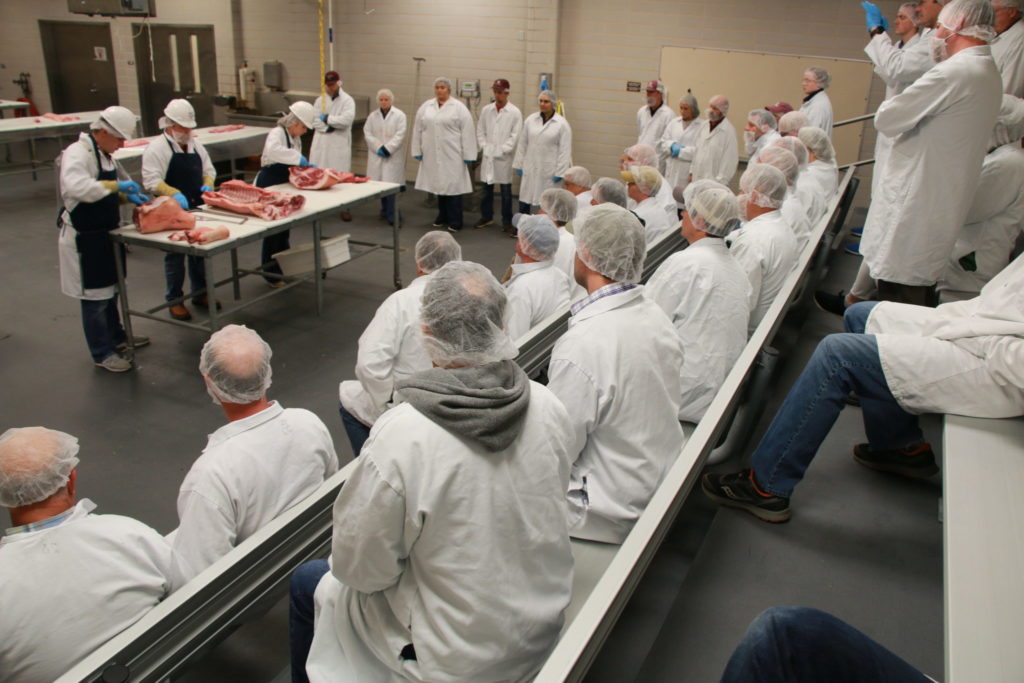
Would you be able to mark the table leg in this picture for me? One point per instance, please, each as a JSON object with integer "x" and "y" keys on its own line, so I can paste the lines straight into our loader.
{"x": 318, "y": 280}
{"x": 122, "y": 292}
{"x": 394, "y": 240}
{"x": 211, "y": 293}
{"x": 32, "y": 156}
{"x": 235, "y": 279}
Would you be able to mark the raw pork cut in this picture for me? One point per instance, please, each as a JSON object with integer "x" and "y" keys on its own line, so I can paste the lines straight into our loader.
{"x": 310, "y": 178}
{"x": 163, "y": 213}
{"x": 203, "y": 235}
{"x": 241, "y": 197}
{"x": 140, "y": 142}
{"x": 60, "y": 118}
{"x": 227, "y": 129}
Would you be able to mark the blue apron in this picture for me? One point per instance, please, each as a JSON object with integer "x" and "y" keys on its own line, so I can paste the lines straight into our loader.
{"x": 185, "y": 172}
{"x": 92, "y": 221}
{"x": 274, "y": 174}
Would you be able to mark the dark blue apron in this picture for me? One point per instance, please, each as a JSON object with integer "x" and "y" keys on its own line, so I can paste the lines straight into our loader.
{"x": 185, "y": 172}
{"x": 274, "y": 174}
{"x": 92, "y": 221}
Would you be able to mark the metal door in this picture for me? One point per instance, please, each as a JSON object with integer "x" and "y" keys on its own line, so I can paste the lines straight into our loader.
{"x": 79, "y": 65}
{"x": 172, "y": 61}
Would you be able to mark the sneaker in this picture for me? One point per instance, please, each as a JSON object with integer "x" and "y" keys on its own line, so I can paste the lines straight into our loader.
{"x": 852, "y": 248}
{"x": 917, "y": 462}
{"x": 831, "y": 303}
{"x": 737, "y": 490}
{"x": 138, "y": 342}
{"x": 483, "y": 223}
{"x": 439, "y": 224}
{"x": 179, "y": 312}
{"x": 115, "y": 363}
{"x": 857, "y": 232}
{"x": 452, "y": 228}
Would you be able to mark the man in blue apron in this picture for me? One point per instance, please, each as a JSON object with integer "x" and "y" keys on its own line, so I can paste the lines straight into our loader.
{"x": 92, "y": 193}
{"x": 176, "y": 165}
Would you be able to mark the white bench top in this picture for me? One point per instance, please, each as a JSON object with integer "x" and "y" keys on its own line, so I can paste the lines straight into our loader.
{"x": 203, "y": 135}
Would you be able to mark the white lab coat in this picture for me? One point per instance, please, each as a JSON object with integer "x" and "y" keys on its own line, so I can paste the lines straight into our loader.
{"x": 761, "y": 143}
{"x": 825, "y": 174}
{"x": 497, "y": 133}
{"x": 68, "y": 589}
{"x": 535, "y": 291}
{"x": 706, "y": 294}
{"x": 390, "y": 350}
{"x": 469, "y": 561}
{"x": 1008, "y": 53}
{"x": 664, "y": 199}
{"x": 251, "y": 471}
{"x": 965, "y": 358}
{"x": 993, "y": 224}
{"x": 819, "y": 111}
{"x": 677, "y": 169}
{"x": 716, "y": 157}
{"x": 583, "y": 204}
{"x": 388, "y": 132}
{"x": 565, "y": 259}
{"x": 650, "y": 128}
{"x": 334, "y": 149}
{"x": 544, "y": 151}
{"x": 446, "y": 139}
{"x": 941, "y": 126}
{"x": 767, "y": 250}
{"x": 157, "y": 157}
{"x": 616, "y": 369}
{"x": 276, "y": 149}
{"x": 799, "y": 216}
{"x": 656, "y": 224}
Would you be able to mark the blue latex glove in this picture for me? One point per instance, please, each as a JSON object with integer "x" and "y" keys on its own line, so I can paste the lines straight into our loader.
{"x": 206, "y": 188}
{"x": 180, "y": 198}
{"x": 128, "y": 187}
{"x": 323, "y": 117}
{"x": 675, "y": 149}
{"x": 519, "y": 172}
{"x": 873, "y": 16}
{"x": 303, "y": 161}
{"x": 139, "y": 199}
{"x": 418, "y": 158}
{"x": 556, "y": 178}
{"x": 383, "y": 151}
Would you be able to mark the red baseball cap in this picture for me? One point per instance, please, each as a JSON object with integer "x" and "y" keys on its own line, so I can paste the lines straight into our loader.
{"x": 331, "y": 77}
{"x": 655, "y": 86}
{"x": 501, "y": 85}
{"x": 779, "y": 108}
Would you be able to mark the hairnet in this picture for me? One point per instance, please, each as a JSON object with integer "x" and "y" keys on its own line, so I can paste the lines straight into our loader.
{"x": 610, "y": 241}
{"x": 821, "y": 76}
{"x": 720, "y": 101}
{"x": 698, "y": 186}
{"x": 817, "y": 141}
{"x": 762, "y": 119}
{"x": 764, "y": 185}
{"x": 35, "y": 463}
{"x": 911, "y": 9}
{"x": 386, "y": 91}
{"x": 463, "y": 311}
{"x": 795, "y": 146}
{"x": 236, "y": 361}
{"x": 445, "y": 80}
{"x": 791, "y": 123}
{"x": 538, "y": 237}
{"x": 646, "y": 178}
{"x": 691, "y": 100}
{"x": 578, "y": 175}
{"x": 971, "y": 18}
{"x": 782, "y": 159}
{"x": 645, "y": 155}
{"x": 288, "y": 120}
{"x": 715, "y": 210}
{"x": 435, "y": 249}
{"x": 559, "y": 204}
{"x": 610, "y": 191}
{"x": 1009, "y": 4}
{"x": 549, "y": 94}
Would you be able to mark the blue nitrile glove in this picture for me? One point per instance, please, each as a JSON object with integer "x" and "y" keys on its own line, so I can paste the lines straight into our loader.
{"x": 556, "y": 178}
{"x": 180, "y": 198}
{"x": 206, "y": 188}
{"x": 675, "y": 149}
{"x": 382, "y": 153}
{"x": 128, "y": 187}
{"x": 418, "y": 158}
{"x": 303, "y": 161}
{"x": 519, "y": 171}
{"x": 139, "y": 199}
{"x": 323, "y": 117}
{"x": 873, "y": 16}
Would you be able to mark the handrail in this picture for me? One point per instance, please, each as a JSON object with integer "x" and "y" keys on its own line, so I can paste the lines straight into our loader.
{"x": 855, "y": 119}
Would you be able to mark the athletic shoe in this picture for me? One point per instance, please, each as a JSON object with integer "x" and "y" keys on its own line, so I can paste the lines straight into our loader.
{"x": 916, "y": 462}
{"x": 439, "y": 224}
{"x": 483, "y": 223}
{"x": 452, "y": 228}
{"x": 115, "y": 363}
{"x": 857, "y": 232}
{"x": 831, "y": 303}
{"x": 738, "y": 490}
{"x": 140, "y": 341}
{"x": 852, "y": 248}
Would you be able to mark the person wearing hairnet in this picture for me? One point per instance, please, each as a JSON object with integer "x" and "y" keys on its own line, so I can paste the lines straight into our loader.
{"x": 70, "y": 580}
{"x": 679, "y": 142}
{"x": 705, "y": 292}
{"x": 653, "y": 117}
{"x": 1008, "y": 45}
{"x": 263, "y": 461}
{"x": 560, "y": 207}
{"x": 765, "y": 247}
{"x": 179, "y": 166}
{"x": 460, "y": 572}
{"x": 807, "y": 188}
{"x": 817, "y": 105}
{"x": 760, "y": 132}
{"x": 941, "y": 126}
{"x": 578, "y": 182}
{"x": 384, "y": 131}
{"x": 91, "y": 193}
{"x": 444, "y": 142}
{"x": 616, "y": 370}
{"x": 795, "y": 212}
{"x": 791, "y": 122}
{"x": 643, "y": 183}
{"x": 281, "y": 150}
{"x": 389, "y": 347}
{"x": 646, "y": 155}
{"x": 537, "y": 287}
{"x": 497, "y": 132}
{"x": 821, "y": 160}
{"x": 716, "y": 157}
{"x": 544, "y": 152}
{"x": 332, "y": 137}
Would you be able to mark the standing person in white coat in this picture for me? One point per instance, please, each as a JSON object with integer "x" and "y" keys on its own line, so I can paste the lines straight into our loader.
{"x": 460, "y": 572}
{"x": 903, "y": 361}
{"x": 389, "y": 347}
{"x": 678, "y": 144}
{"x": 653, "y": 118}
{"x": 943, "y": 122}
{"x": 643, "y": 184}
{"x": 497, "y": 132}
{"x": 384, "y": 132}
{"x": 537, "y": 287}
{"x": 616, "y": 370}
{"x": 1008, "y": 46}
{"x": 263, "y": 461}
{"x": 716, "y": 157}
{"x": 444, "y": 142}
{"x": 544, "y": 152}
{"x": 759, "y": 133}
{"x": 817, "y": 105}
{"x": 332, "y": 139}
{"x": 706, "y": 294}
{"x": 69, "y": 580}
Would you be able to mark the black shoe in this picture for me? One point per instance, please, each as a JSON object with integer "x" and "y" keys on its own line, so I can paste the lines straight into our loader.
{"x": 917, "y": 462}
{"x": 737, "y": 490}
{"x": 831, "y": 303}
{"x": 439, "y": 224}
{"x": 483, "y": 223}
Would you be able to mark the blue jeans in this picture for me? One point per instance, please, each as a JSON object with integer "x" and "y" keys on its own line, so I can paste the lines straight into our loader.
{"x": 357, "y": 432}
{"x": 805, "y": 645}
{"x": 487, "y": 203}
{"x": 272, "y": 245}
{"x": 102, "y": 326}
{"x": 387, "y": 208}
{"x": 301, "y": 613}
{"x": 449, "y": 210}
{"x": 842, "y": 363}
{"x": 174, "y": 271}
{"x": 855, "y": 319}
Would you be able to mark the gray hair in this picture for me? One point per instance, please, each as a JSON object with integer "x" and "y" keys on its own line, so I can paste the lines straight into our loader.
{"x": 761, "y": 118}
{"x": 559, "y": 204}
{"x": 386, "y": 91}
{"x": 578, "y": 175}
{"x": 35, "y": 463}
{"x": 609, "y": 191}
{"x": 435, "y": 249}
{"x": 821, "y": 76}
{"x": 691, "y": 100}
{"x": 236, "y": 363}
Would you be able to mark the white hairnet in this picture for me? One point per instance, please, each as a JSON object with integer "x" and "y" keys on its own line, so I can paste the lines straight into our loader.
{"x": 764, "y": 185}
{"x": 463, "y": 313}
{"x": 696, "y": 186}
{"x": 559, "y": 204}
{"x": 610, "y": 241}
{"x": 795, "y": 146}
{"x": 35, "y": 463}
{"x": 971, "y": 18}
{"x": 782, "y": 159}
{"x": 791, "y": 122}
{"x": 610, "y": 191}
{"x": 288, "y": 120}
{"x": 720, "y": 101}
{"x": 538, "y": 237}
{"x": 645, "y": 155}
{"x": 578, "y": 175}
{"x": 236, "y": 362}
{"x": 821, "y": 76}
{"x": 548, "y": 94}
{"x": 435, "y": 249}
{"x": 445, "y": 80}
{"x": 1008, "y": 4}
{"x": 386, "y": 91}
{"x": 817, "y": 141}
{"x": 910, "y": 8}
{"x": 691, "y": 100}
{"x": 762, "y": 119}
{"x": 715, "y": 210}
{"x": 646, "y": 178}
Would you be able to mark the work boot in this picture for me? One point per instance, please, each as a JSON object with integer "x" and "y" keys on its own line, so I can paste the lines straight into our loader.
{"x": 916, "y": 462}
{"x": 179, "y": 312}
{"x": 831, "y": 303}
{"x": 738, "y": 490}
{"x": 115, "y": 363}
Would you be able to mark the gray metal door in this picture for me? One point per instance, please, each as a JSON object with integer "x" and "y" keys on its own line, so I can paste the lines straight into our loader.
{"x": 174, "y": 60}
{"x": 79, "y": 65}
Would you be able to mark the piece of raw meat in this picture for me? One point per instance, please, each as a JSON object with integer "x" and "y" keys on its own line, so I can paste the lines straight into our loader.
{"x": 163, "y": 213}
{"x": 203, "y": 235}
{"x": 228, "y": 129}
{"x": 60, "y": 118}
{"x": 310, "y": 178}
{"x": 140, "y": 142}
{"x": 241, "y": 197}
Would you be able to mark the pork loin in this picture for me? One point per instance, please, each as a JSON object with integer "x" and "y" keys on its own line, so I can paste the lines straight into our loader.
{"x": 163, "y": 213}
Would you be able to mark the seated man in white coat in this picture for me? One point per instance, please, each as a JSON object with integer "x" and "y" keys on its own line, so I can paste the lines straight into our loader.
{"x": 759, "y": 133}
{"x": 263, "y": 461}
{"x": 69, "y": 580}
{"x": 389, "y": 347}
{"x": 807, "y": 187}
{"x": 560, "y": 206}
{"x": 537, "y": 287}
{"x": 706, "y": 294}
{"x": 647, "y": 155}
{"x": 902, "y": 361}
{"x": 577, "y": 181}
{"x": 616, "y": 369}
{"x": 643, "y": 185}
{"x": 451, "y": 558}
{"x": 797, "y": 214}
{"x": 821, "y": 160}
